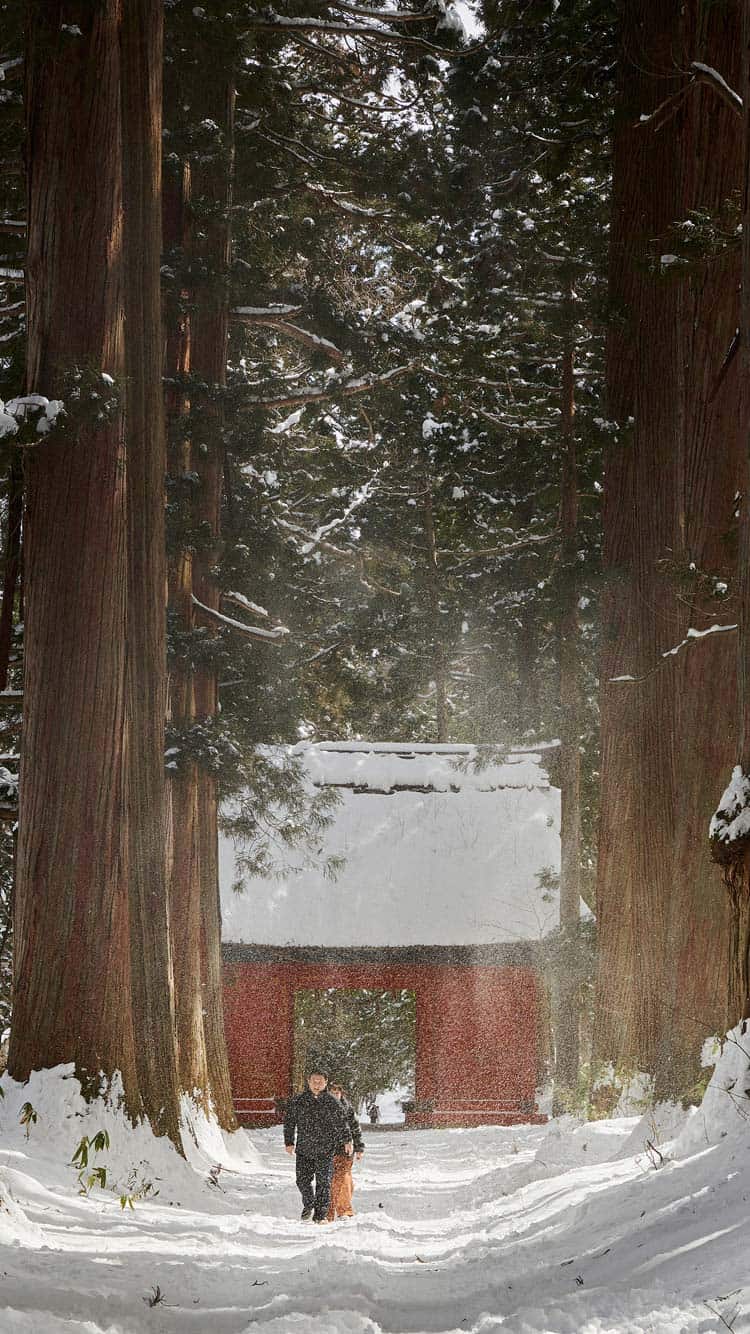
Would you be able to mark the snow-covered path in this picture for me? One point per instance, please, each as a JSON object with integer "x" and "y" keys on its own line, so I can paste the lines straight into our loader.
{"x": 565, "y": 1229}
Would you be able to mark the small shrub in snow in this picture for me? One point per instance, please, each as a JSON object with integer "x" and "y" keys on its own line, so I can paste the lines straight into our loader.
{"x": 28, "y": 1118}
{"x": 98, "y": 1175}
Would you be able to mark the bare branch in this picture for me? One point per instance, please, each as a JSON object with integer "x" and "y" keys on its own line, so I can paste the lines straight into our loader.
{"x": 691, "y": 638}
{"x": 707, "y": 74}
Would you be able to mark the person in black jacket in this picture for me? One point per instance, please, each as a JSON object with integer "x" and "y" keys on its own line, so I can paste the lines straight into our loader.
{"x": 319, "y": 1123}
{"x": 342, "y": 1185}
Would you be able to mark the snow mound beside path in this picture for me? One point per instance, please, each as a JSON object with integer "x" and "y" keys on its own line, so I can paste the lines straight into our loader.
{"x": 15, "y": 1228}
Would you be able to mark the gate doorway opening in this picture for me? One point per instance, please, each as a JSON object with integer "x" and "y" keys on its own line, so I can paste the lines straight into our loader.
{"x": 365, "y": 1040}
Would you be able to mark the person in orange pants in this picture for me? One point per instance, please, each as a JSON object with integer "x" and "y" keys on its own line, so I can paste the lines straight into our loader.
{"x": 342, "y": 1185}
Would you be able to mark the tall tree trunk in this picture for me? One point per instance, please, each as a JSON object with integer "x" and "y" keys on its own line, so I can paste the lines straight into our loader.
{"x": 151, "y": 960}
{"x": 93, "y": 980}
{"x": 201, "y": 348}
{"x": 72, "y": 986}
{"x": 12, "y": 566}
{"x": 670, "y": 484}
{"x": 569, "y": 651}
{"x": 439, "y": 665}
{"x": 184, "y": 880}
{"x": 734, "y": 853}
{"x": 210, "y": 340}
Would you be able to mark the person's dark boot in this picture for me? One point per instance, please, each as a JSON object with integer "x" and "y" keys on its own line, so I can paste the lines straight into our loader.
{"x": 306, "y": 1215}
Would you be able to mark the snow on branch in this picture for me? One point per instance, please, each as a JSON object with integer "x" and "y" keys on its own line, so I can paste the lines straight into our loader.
{"x": 334, "y": 389}
{"x": 251, "y": 631}
{"x": 700, "y": 74}
{"x": 252, "y": 313}
{"x": 691, "y": 637}
{"x": 279, "y": 23}
{"x": 336, "y": 197}
{"x": 271, "y": 319}
{"x": 707, "y": 74}
{"x": 245, "y": 603}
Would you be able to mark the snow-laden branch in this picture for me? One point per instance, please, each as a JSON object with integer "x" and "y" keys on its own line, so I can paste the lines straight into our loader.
{"x": 272, "y": 319}
{"x": 707, "y": 74}
{"x": 241, "y": 601}
{"x": 280, "y": 23}
{"x": 534, "y": 539}
{"x": 334, "y": 389}
{"x": 691, "y": 637}
{"x": 382, "y": 15}
{"x": 701, "y": 73}
{"x": 335, "y": 197}
{"x": 251, "y": 631}
{"x": 259, "y": 313}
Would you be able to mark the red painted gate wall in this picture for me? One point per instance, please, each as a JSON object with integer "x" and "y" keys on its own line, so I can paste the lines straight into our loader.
{"x": 476, "y": 1040}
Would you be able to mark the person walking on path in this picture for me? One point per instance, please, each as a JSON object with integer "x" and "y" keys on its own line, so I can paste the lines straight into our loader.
{"x": 342, "y": 1185}
{"x": 319, "y": 1124}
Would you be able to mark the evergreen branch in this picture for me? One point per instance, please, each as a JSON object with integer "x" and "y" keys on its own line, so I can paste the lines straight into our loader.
{"x": 251, "y": 631}
{"x": 12, "y": 227}
{"x": 346, "y": 206}
{"x": 338, "y": 389}
{"x": 325, "y": 27}
{"x": 532, "y": 540}
{"x": 383, "y": 15}
{"x": 294, "y": 331}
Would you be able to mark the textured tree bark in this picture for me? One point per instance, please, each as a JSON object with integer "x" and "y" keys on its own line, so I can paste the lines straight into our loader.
{"x": 433, "y": 593}
{"x": 210, "y": 338}
{"x": 12, "y": 566}
{"x": 568, "y": 983}
{"x": 151, "y": 960}
{"x": 201, "y": 348}
{"x": 72, "y": 987}
{"x": 184, "y": 881}
{"x": 667, "y": 741}
{"x": 734, "y": 856}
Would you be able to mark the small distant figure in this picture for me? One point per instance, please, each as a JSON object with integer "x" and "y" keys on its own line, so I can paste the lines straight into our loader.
{"x": 342, "y": 1186}
{"x": 373, "y": 1111}
{"x": 318, "y": 1122}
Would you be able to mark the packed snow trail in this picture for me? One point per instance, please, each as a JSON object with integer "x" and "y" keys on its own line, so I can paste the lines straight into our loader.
{"x": 565, "y": 1229}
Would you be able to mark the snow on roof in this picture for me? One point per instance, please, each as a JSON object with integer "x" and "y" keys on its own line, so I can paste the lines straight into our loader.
{"x": 440, "y": 848}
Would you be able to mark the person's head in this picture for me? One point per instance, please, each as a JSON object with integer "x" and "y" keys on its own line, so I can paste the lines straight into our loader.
{"x": 316, "y": 1081}
{"x": 336, "y": 1090}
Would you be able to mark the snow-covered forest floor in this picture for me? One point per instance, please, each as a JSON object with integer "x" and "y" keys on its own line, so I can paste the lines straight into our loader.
{"x": 568, "y": 1228}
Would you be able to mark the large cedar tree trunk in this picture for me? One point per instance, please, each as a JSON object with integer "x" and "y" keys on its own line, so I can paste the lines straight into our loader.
{"x": 151, "y": 960}
{"x": 200, "y": 347}
{"x": 93, "y": 981}
{"x": 730, "y": 842}
{"x": 72, "y": 986}
{"x": 210, "y": 341}
{"x": 671, "y": 479}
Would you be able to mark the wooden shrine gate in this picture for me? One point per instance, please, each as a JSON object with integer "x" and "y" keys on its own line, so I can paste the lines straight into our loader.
{"x": 477, "y": 1024}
